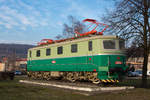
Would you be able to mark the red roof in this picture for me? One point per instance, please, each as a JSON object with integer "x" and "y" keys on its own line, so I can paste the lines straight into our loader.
{"x": 21, "y": 59}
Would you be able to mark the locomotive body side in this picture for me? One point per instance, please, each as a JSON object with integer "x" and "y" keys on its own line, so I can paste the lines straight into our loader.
{"x": 101, "y": 55}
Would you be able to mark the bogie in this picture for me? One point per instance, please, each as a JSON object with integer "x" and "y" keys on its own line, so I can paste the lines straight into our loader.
{"x": 70, "y": 76}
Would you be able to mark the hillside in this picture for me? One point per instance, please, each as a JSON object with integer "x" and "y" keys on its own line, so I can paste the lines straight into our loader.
{"x": 18, "y": 50}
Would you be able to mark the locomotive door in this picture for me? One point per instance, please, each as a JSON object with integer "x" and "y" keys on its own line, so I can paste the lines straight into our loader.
{"x": 29, "y": 64}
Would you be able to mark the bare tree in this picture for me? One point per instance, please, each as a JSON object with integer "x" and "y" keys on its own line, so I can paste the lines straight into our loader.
{"x": 69, "y": 29}
{"x": 131, "y": 21}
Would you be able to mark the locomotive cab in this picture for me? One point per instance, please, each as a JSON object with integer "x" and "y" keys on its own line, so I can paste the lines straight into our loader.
{"x": 113, "y": 58}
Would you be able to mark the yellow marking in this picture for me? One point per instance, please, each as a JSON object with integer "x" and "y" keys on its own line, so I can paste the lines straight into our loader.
{"x": 104, "y": 81}
{"x": 108, "y": 80}
{"x": 117, "y": 81}
{"x": 112, "y": 80}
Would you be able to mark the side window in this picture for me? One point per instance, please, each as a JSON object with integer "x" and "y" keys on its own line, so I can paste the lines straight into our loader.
{"x": 109, "y": 44}
{"x": 30, "y": 54}
{"x": 38, "y": 53}
{"x": 48, "y": 52}
{"x": 90, "y": 45}
{"x": 60, "y": 50}
{"x": 74, "y": 48}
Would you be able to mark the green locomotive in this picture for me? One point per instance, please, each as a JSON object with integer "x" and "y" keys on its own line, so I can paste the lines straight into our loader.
{"x": 96, "y": 58}
{"x": 90, "y": 56}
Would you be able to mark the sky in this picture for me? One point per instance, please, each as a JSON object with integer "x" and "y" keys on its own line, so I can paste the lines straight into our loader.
{"x": 29, "y": 21}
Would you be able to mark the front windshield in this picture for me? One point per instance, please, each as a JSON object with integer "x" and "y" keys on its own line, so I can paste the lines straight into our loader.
{"x": 121, "y": 44}
{"x": 109, "y": 44}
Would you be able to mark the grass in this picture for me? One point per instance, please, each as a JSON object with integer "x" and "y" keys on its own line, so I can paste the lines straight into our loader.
{"x": 134, "y": 82}
{"x": 13, "y": 90}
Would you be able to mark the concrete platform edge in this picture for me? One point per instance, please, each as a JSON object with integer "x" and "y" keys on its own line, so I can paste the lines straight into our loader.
{"x": 86, "y": 89}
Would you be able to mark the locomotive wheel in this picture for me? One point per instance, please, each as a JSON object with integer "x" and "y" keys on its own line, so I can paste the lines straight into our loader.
{"x": 71, "y": 77}
{"x": 39, "y": 76}
{"x": 95, "y": 80}
{"x": 92, "y": 77}
{"x": 29, "y": 74}
{"x": 89, "y": 76}
{"x": 33, "y": 76}
{"x": 46, "y": 75}
{"x": 36, "y": 75}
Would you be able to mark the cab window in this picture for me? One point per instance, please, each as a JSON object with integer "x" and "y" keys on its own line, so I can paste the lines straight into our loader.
{"x": 109, "y": 44}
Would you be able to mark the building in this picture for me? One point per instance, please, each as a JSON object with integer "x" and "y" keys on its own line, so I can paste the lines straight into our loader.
{"x": 21, "y": 64}
{"x": 137, "y": 62}
{"x": 15, "y": 64}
